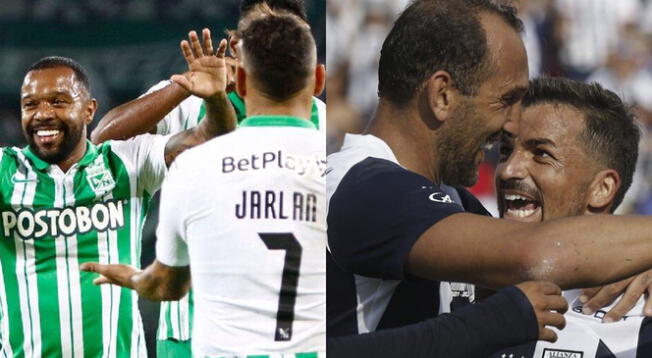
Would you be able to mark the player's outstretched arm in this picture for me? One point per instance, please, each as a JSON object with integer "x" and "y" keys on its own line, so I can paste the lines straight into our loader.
{"x": 583, "y": 251}
{"x": 158, "y": 282}
{"x": 510, "y": 317}
{"x": 139, "y": 115}
{"x": 206, "y": 78}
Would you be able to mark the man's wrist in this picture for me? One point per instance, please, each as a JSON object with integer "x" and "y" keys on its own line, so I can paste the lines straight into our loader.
{"x": 218, "y": 99}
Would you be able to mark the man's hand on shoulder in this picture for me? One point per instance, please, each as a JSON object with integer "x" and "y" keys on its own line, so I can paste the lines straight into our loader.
{"x": 631, "y": 290}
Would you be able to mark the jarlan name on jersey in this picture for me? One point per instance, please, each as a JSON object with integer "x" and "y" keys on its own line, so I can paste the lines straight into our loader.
{"x": 30, "y": 224}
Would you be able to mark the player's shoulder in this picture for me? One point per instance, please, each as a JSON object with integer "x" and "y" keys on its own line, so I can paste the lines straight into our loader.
{"x": 364, "y": 152}
{"x": 12, "y": 154}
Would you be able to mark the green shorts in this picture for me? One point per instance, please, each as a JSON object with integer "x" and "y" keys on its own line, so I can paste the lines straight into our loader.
{"x": 171, "y": 348}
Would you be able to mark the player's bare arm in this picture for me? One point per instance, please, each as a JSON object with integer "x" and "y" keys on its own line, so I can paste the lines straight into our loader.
{"x": 141, "y": 115}
{"x": 568, "y": 251}
{"x": 157, "y": 282}
{"x": 207, "y": 79}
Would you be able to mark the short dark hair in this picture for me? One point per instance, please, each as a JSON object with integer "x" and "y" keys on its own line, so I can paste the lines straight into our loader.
{"x": 433, "y": 35}
{"x": 57, "y": 61}
{"x": 610, "y": 134}
{"x": 295, "y": 7}
{"x": 281, "y": 51}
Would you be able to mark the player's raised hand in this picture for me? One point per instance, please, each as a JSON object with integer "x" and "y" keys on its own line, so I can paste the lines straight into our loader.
{"x": 115, "y": 274}
{"x": 631, "y": 289}
{"x": 549, "y": 306}
{"x": 207, "y": 70}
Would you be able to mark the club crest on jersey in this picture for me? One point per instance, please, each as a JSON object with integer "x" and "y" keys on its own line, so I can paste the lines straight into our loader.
{"x": 561, "y": 353}
{"x": 99, "y": 177}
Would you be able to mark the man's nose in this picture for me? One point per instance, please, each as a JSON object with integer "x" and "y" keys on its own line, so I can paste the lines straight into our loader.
{"x": 44, "y": 111}
{"x": 514, "y": 167}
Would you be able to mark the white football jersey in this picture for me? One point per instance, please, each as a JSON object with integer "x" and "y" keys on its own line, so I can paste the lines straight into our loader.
{"x": 247, "y": 210}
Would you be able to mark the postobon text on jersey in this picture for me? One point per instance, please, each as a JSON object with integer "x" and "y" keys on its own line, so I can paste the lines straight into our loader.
{"x": 37, "y": 224}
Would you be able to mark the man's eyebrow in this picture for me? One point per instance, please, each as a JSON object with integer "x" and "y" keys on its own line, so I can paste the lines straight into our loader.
{"x": 516, "y": 92}
{"x": 539, "y": 141}
{"x": 55, "y": 93}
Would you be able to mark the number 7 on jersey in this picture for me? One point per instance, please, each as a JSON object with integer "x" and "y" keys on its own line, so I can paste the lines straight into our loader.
{"x": 289, "y": 281}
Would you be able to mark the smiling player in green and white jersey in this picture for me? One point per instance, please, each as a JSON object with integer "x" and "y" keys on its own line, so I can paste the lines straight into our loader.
{"x": 249, "y": 222}
{"x": 65, "y": 201}
{"x": 167, "y": 108}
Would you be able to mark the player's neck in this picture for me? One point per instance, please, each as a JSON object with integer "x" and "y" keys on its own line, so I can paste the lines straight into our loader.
{"x": 407, "y": 135}
{"x": 297, "y": 106}
{"x": 74, "y": 157}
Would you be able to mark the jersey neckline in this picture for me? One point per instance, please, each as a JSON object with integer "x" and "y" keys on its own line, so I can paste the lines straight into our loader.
{"x": 40, "y": 164}
{"x": 277, "y": 121}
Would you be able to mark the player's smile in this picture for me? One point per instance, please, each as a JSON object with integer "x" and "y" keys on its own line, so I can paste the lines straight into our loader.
{"x": 47, "y": 135}
{"x": 519, "y": 205}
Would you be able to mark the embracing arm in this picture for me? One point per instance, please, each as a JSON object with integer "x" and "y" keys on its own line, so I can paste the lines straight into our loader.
{"x": 139, "y": 115}
{"x": 512, "y": 316}
{"x": 572, "y": 252}
{"x": 158, "y": 282}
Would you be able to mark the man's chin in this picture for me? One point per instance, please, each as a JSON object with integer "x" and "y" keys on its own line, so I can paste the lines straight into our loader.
{"x": 522, "y": 215}
{"x": 48, "y": 155}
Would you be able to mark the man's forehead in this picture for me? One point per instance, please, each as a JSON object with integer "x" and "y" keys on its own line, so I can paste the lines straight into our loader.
{"x": 555, "y": 122}
{"x": 507, "y": 53}
{"x": 57, "y": 79}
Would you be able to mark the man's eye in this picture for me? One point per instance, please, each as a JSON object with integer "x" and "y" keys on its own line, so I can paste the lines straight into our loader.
{"x": 542, "y": 154}
{"x": 505, "y": 152}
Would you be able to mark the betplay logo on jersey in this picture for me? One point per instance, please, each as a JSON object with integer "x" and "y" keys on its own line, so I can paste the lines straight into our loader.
{"x": 99, "y": 177}
{"x": 561, "y": 353}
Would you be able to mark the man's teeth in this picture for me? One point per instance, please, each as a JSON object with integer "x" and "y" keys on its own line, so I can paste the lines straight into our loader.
{"x": 521, "y": 213}
{"x": 47, "y": 132}
{"x": 515, "y": 197}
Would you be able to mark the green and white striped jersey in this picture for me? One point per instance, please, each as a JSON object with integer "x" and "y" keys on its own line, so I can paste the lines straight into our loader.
{"x": 175, "y": 320}
{"x": 51, "y": 222}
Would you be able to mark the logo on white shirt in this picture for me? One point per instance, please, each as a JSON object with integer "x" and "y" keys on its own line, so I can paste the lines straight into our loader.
{"x": 561, "y": 353}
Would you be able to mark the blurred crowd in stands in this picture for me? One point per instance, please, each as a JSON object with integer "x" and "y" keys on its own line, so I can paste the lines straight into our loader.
{"x": 608, "y": 41}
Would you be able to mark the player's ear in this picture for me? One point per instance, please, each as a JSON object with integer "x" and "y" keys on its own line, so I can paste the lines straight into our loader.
{"x": 320, "y": 79}
{"x": 89, "y": 111}
{"x": 233, "y": 46}
{"x": 602, "y": 191}
{"x": 240, "y": 81}
{"x": 441, "y": 95}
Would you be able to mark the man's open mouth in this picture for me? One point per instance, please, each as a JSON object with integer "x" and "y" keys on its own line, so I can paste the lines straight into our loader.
{"x": 521, "y": 207}
{"x": 46, "y": 135}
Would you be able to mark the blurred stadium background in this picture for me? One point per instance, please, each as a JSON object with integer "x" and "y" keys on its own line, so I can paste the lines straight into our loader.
{"x": 126, "y": 46}
{"x": 608, "y": 41}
